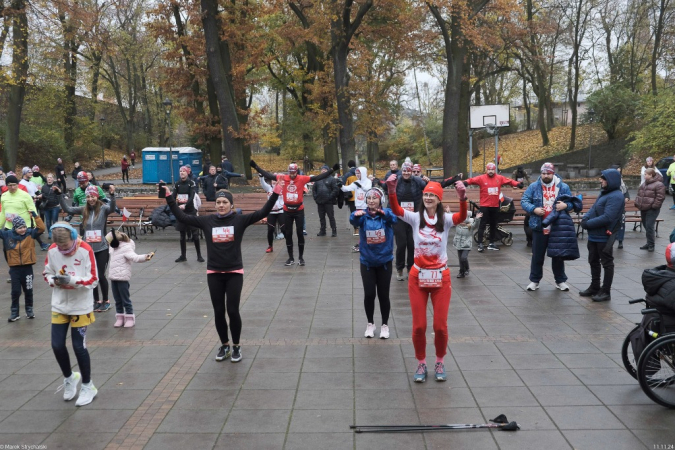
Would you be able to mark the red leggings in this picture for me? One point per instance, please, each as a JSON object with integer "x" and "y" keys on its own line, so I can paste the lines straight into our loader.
{"x": 440, "y": 299}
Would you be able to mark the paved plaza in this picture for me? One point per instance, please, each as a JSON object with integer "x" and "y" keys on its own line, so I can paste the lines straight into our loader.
{"x": 549, "y": 360}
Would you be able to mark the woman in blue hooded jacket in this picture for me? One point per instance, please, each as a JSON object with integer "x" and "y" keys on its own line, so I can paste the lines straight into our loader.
{"x": 376, "y": 242}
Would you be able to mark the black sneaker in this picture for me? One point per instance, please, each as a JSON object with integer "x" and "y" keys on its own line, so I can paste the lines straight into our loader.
{"x": 236, "y": 354}
{"x": 181, "y": 259}
{"x": 301, "y": 262}
{"x": 97, "y": 306}
{"x": 13, "y": 318}
{"x": 620, "y": 244}
{"x": 223, "y": 352}
{"x": 334, "y": 234}
{"x": 321, "y": 233}
{"x": 289, "y": 262}
{"x": 200, "y": 259}
{"x": 480, "y": 248}
{"x": 645, "y": 247}
{"x": 493, "y": 247}
{"x": 590, "y": 292}
{"x": 30, "y": 315}
{"x": 601, "y": 297}
{"x": 650, "y": 249}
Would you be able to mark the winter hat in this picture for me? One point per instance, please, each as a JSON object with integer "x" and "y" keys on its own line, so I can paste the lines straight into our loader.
{"x": 185, "y": 169}
{"x": 435, "y": 188}
{"x": 406, "y": 167}
{"x": 670, "y": 255}
{"x": 226, "y": 194}
{"x": 325, "y": 167}
{"x": 18, "y": 222}
{"x": 547, "y": 168}
{"x": 490, "y": 166}
{"x": 293, "y": 168}
{"x": 649, "y": 159}
{"x": 351, "y": 163}
{"x": 416, "y": 167}
{"x": 82, "y": 177}
{"x": 36, "y": 169}
{"x": 91, "y": 191}
{"x": 25, "y": 170}
{"x": 11, "y": 179}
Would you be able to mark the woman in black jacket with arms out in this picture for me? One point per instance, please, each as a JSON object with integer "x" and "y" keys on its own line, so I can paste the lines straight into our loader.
{"x": 223, "y": 233}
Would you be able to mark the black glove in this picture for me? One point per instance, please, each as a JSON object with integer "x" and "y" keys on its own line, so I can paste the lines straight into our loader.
{"x": 336, "y": 167}
{"x": 520, "y": 185}
{"x": 339, "y": 184}
{"x": 253, "y": 164}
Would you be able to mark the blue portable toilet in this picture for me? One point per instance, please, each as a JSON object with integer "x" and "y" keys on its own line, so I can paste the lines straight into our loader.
{"x": 189, "y": 156}
{"x": 156, "y": 164}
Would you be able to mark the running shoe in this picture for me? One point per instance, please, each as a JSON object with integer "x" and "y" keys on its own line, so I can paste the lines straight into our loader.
{"x": 236, "y": 354}
{"x": 13, "y": 318}
{"x": 399, "y": 275}
{"x": 562, "y": 286}
{"x": 105, "y": 306}
{"x": 334, "y": 233}
{"x": 532, "y": 286}
{"x": 223, "y": 352}
{"x": 439, "y": 372}
{"x": 480, "y": 248}
{"x": 493, "y": 247}
{"x": 87, "y": 393}
{"x": 97, "y": 306}
{"x": 384, "y": 332}
{"x": 200, "y": 259}
{"x": 301, "y": 262}
{"x": 69, "y": 386}
{"x": 30, "y": 315}
{"x": 370, "y": 330}
{"x": 270, "y": 249}
{"x": 45, "y": 247}
{"x": 181, "y": 259}
{"x": 356, "y": 249}
{"x": 289, "y": 262}
{"x": 421, "y": 373}
{"x": 356, "y": 232}
{"x": 304, "y": 232}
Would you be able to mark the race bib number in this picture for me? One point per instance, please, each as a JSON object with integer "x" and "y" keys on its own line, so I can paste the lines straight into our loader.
{"x": 182, "y": 198}
{"x": 291, "y": 198}
{"x": 408, "y": 206}
{"x": 493, "y": 191}
{"x": 62, "y": 172}
{"x": 222, "y": 234}
{"x": 430, "y": 278}
{"x": 93, "y": 236}
{"x": 361, "y": 196}
{"x": 375, "y": 236}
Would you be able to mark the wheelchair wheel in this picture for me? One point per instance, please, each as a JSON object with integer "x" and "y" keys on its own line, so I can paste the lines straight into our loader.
{"x": 627, "y": 356}
{"x": 656, "y": 371}
{"x": 508, "y": 240}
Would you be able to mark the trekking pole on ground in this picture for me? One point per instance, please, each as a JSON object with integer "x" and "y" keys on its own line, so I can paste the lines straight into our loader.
{"x": 500, "y": 422}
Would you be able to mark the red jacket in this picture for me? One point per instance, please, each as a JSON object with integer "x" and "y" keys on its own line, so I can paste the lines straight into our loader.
{"x": 490, "y": 188}
{"x": 125, "y": 164}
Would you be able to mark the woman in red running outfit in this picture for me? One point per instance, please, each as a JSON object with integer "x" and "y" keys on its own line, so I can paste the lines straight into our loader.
{"x": 430, "y": 275}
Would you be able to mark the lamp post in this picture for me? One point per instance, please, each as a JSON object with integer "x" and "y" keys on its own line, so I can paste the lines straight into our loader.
{"x": 102, "y": 119}
{"x": 167, "y": 107}
{"x": 591, "y": 114}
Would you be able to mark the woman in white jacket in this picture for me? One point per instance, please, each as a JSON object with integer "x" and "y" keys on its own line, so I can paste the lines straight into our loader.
{"x": 70, "y": 268}
{"x": 359, "y": 187}
{"x": 276, "y": 216}
{"x": 122, "y": 254}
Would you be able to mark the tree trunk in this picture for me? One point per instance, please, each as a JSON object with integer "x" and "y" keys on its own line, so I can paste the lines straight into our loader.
{"x": 95, "y": 74}
{"x": 226, "y": 103}
{"x": 17, "y": 91}
{"x": 215, "y": 142}
{"x": 347, "y": 142}
{"x": 330, "y": 147}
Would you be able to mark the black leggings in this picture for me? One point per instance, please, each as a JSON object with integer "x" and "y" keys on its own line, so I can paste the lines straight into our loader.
{"x": 376, "y": 281}
{"x": 220, "y": 286}
{"x": 297, "y": 216}
{"x": 490, "y": 215}
{"x": 125, "y": 173}
{"x": 404, "y": 243}
{"x": 272, "y": 221}
{"x": 102, "y": 258}
{"x": 79, "y": 337}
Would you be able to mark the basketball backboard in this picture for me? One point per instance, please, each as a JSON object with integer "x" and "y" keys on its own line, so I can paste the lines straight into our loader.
{"x": 498, "y": 115}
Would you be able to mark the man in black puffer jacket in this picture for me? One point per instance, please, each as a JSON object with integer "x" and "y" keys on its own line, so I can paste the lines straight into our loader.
{"x": 325, "y": 194}
{"x": 208, "y": 182}
{"x": 659, "y": 284}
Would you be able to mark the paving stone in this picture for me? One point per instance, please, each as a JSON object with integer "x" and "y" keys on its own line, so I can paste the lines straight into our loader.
{"x": 257, "y": 421}
{"x": 262, "y": 441}
{"x": 162, "y": 441}
{"x": 193, "y": 421}
{"x": 310, "y": 441}
{"x": 24, "y": 421}
{"x": 614, "y": 439}
{"x": 584, "y": 418}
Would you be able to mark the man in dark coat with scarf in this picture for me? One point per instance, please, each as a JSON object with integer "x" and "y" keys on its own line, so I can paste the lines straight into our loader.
{"x": 540, "y": 200}
{"x": 603, "y": 222}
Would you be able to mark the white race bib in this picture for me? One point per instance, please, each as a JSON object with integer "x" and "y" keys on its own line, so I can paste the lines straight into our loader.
{"x": 361, "y": 196}
{"x": 375, "y": 236}
{"x": 182, "y": 198}
{"x": 93, "y": 236}
{"x": 291, "y": 198}
{"x": 408, "y": 206}
{"x": 430, "y": 278}
{"x": 222, "y": 234}
{"x": 493, "y": 191}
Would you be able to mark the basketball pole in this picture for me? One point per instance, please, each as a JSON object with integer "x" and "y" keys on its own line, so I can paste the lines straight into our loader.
{"x": 471, "y": 153}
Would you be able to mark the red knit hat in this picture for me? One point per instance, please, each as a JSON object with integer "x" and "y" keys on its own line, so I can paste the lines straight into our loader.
{"x": 435, "y": 188}
{"x": 670, "y": 255}
{"x": 490, "y": 166}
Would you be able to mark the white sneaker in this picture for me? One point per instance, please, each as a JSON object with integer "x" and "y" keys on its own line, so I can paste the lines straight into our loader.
{"x": 384, "y": 332}
{"x": 370, "y": 330}
{"x": 533, "y": 286}
{"x": 399, "y": 275}
{"x": 562, "y": 286}
{"x": 87, "y": 394}
{"x": 69, "y": 386}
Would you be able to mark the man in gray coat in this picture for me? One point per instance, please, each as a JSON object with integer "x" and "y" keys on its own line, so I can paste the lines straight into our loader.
{"x": 325, "y": 194}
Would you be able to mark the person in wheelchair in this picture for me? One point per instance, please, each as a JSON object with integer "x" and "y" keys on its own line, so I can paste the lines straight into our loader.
{"x": 659, "y": 284}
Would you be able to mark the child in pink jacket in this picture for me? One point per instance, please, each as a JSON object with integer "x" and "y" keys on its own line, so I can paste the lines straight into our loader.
{"x": 122, "y": 254}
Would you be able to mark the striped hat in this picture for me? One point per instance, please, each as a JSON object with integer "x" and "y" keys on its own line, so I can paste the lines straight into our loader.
{"x": 91, "y": 191}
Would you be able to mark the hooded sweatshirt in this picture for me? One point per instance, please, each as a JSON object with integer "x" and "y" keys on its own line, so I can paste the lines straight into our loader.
{"x": 359, "y": 187}
{"x": 607, "y": 210}
{"x": 376, "y": 237}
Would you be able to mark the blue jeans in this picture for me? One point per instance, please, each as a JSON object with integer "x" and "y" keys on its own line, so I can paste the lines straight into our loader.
{"x": 539, "y": 246}
{"x": 120, "y": 291}
{"x": 51, "y": 217}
